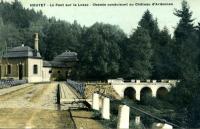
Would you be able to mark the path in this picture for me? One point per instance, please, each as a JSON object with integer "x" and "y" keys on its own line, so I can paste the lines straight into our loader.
{"x": 32, "y": 106}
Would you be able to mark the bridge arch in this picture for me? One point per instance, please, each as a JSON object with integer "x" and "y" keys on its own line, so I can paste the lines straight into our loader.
{"x": 130, "y": 93}
{"x": 161, "y": 92}
{"x": 145, "y": 92}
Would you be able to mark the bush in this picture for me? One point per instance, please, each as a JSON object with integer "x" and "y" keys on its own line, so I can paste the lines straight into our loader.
{"x": 96, "y": 114}
{"x": 108, "y": 124}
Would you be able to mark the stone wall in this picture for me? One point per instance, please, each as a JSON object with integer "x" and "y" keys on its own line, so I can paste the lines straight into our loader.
{"x": 14, "y": 63}
{"x": 119, "y": 85}
{"x": 59, "y": 73}
{"x": 100, "y": 87}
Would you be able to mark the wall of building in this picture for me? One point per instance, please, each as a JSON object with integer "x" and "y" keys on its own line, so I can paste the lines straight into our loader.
{"x": 31, "y": 76}
{"x": 43, "y": 74}
{"x": 59, "y": 73}
{"x": 14, "y": 63}
{"x": 46, "y": 75}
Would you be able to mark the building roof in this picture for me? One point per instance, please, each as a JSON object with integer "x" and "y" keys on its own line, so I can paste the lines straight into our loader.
{"x": 54, "y": 64}
{"x": 62, "y": 60}
{"x": 66, "y": 57}
{"x": 47, "y": 63}
{"x": 22, "y": 51}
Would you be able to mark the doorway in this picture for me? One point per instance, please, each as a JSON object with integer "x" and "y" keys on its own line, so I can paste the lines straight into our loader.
{"x": 20, "y": 72}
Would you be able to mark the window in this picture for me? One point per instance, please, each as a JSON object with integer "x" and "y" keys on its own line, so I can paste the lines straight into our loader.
{"x": 9, "y": 69}
{"x": 35, "y": 69}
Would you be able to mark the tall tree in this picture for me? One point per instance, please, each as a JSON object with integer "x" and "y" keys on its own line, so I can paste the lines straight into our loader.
{"x": 140, "y": 53}
{"x": 198, "y": 44}
{"x": 164, "y": 58}
{"x": 186, "y": 52}
{"x": 100, "y": 51}
{"x": 185, "y": 43}
{"x": 150, "y": 24}
{"x": 67, "y": 35}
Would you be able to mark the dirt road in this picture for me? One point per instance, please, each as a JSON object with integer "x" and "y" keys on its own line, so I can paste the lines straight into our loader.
{"x": 32, "y": 106}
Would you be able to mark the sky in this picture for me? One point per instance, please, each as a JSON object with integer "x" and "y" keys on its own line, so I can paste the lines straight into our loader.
{"x": 126, "y": 17}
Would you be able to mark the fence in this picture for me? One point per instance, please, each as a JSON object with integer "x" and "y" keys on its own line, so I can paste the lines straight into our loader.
{"x": 10, "y": 83}
{"x": 78, "y": 86}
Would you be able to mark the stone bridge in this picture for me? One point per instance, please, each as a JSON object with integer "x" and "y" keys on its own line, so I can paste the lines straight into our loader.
{"x": 137, "y": 90}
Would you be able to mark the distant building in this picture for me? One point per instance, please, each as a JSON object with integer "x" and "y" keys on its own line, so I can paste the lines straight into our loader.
{"x": 23, "y": 62}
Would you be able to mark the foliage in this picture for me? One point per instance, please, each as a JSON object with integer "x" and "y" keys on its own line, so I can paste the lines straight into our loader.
{"x": 139, "y": 49}
{"x": 163, "y": 110}
{"x": 67, "y": 35}
{"x": 164, "y": 60}
{"x": 100, "y": 51}
{"x": 104, "y": 51}
{"x": 186, "y": 52}
{"x": 185, "y": 43}
{"x": 150, "y": 24}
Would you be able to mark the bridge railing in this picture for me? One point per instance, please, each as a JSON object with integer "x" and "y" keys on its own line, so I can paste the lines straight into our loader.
{"x": 78, "y": 86}
{"x": 10, "y": 83}
{"x": 121, "y": 81}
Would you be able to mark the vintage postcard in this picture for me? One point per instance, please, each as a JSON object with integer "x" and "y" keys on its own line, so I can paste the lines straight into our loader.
{"x": 99, "y": 64}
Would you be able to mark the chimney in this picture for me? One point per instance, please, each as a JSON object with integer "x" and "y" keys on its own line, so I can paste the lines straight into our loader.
{"x": 36, "y": 42}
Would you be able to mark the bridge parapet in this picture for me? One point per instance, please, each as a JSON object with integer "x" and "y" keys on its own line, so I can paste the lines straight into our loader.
{"x": 137, "y": 87}
{"x": 148, "y": 81}
{"x": 115, "y": 81}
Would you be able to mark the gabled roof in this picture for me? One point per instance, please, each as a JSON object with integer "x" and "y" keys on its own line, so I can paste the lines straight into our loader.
{"x": 22, "y": 51}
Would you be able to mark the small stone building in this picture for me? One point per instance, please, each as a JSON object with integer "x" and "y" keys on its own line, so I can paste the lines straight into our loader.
{"x": 60, "y": 67}
{"x": 23, "y": 62}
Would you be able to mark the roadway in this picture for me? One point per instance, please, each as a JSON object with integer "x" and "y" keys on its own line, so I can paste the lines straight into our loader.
{"x": 33, "y": 106}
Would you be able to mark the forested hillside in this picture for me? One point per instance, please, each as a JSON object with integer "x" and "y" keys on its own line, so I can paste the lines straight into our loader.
{"x": 105, "y": 51}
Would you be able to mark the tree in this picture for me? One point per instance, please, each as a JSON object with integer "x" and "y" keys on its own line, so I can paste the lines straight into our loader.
{"x": 10, "y": 35}
{"x": 164, "y": 58}
{"x": 150, "y": 24}
{"x": 186, "y": 51}
{"x": 140, "y": 53}
{"x": 67, "y": 35}
{"x": 198, "y": 44}
{"x": 185, "y": 44}
{"x": 100, "y": 51}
